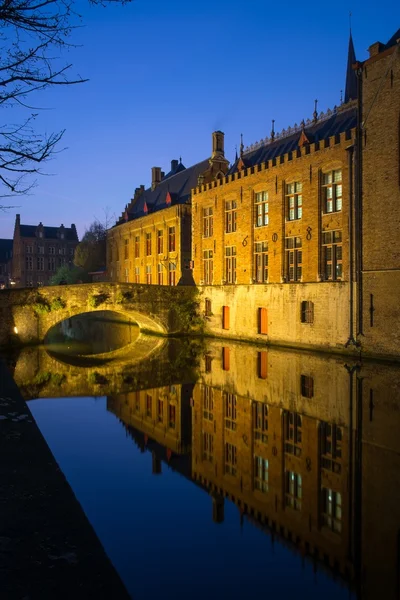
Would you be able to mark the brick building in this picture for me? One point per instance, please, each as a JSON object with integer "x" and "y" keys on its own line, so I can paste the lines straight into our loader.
{"x": 39, "y": 251}
{"x": 151, "y": 242}
{"x": 6, "y": 250}
{"x": 295, "y": 233}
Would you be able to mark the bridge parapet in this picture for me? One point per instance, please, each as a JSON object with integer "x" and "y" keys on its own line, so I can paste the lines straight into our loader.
{"x": 26, "y": 315}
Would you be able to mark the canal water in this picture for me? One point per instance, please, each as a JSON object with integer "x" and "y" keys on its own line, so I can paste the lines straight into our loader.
{"x": 223, "y": 470}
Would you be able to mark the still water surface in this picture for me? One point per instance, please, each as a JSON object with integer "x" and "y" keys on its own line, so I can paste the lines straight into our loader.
{"x": 231, "y": 471}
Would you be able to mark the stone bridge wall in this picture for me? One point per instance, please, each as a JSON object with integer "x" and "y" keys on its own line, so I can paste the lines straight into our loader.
{"x": 26, "y": 315}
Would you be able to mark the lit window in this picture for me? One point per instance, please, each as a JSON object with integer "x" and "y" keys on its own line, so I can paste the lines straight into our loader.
{"x": 261, "y": 209}
{"x": 294, "y": 200}
{"x": 260, "y": 422}
{"x": 331, "y": 447}
{"x": 293, "y": 259}
{"x": 293, "y": 490}
{"x": 293, "y": 432}
{"x": 261, "y": 262}
{"x": 230, "y": 411}
{"x": 230, "y": 216}
{"x": 160, "y": 274}
{"x": 137, "y": 246}
{"x": 148, "y": 244}
{"x": 126, "y": 249}
{"x": 208, "y": 265}
{"x": 261, "y": 474}
{"x": 230, "y": 459}
{"x": 230, "y": 264}
{"x": 208, "y": 447}
{"x": 171, "y": 239}
{"x": 331, "y": 509}
{"x": 332, "y": 190}
{"x": 160, "y": 242}
{"x": 172, "y": 416}
{"x": 137, "y": 274}
{"x": 148, "y": 274}
{"x": 307, "y": 312}
{"x": 172, "y": 274}
{"x": 208, "y": 403}
{"x": 332, "y": 255}
{"x": 207, "y": 222}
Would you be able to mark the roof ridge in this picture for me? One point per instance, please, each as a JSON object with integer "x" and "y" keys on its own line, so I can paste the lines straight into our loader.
{"x": 175, "y": 174}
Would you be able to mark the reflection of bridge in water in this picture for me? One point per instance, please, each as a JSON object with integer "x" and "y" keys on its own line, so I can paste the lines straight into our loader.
{"x": 307, "y": 449}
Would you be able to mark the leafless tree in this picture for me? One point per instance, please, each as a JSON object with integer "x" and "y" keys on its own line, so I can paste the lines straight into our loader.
{"x": 33, "y": 34}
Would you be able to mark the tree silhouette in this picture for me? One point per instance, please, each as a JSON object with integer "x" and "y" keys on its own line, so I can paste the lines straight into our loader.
{"x": 33, "y": 34}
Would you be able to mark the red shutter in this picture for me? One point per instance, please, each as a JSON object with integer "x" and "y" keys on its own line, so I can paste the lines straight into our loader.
{"x": 225, "y": 317}
{"x": 225, "y": 358}
{"x": 262, "y": 365}
{"x": 262, "y": 320}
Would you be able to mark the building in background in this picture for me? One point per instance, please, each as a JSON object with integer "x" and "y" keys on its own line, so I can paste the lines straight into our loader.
{"x": 39, "y": 251}
{"x": 6, "y": 250}
{"x": 151, "y": 242}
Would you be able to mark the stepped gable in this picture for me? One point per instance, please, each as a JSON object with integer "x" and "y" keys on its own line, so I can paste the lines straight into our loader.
{"x": 336, "y": 123}
{"x": 178, "y": 185}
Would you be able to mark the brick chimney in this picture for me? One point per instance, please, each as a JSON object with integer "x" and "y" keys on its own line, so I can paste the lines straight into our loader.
{"x": 218, "y": 143}
{"x": 155, "y": 177}
{"x": 375, "y": 49}
{"x": 174, "y": 165}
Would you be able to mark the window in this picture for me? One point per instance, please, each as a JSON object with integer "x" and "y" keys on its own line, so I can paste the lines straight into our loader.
{"x": 230, "y": 264}
{"x": 225, "y": 317}
{"x": 225, "y": 358}
{"x": 261, "y": 262}
{"x": 208, "y": 403}
{"x": 40, "y": 263}
{"x": 208, "y": 264}
{"x": 149, "y": 402}
{"x": 260, "y": 422}
{"x": 148, "y": 244}
{"x": 61, "y": 251}
{"x": 29, "y": 249}
{"x": 171, "y": 239}
{"x": 29, "y": 282}
{"x": 137, "y": 274}
{"x": 160, "y": 411}
{"x": 160, "y": 242}
{"x": 61, "y": 235}
{"x": 29, "y": 262}
{"x": 137, "y": 246}
{"x": 230, "y": 459}
{"x": 71, "y": 251}
{"x": 41, "y": 235}
{"x": 52, "y": 250}
{"x": 332, "y": 191}
{"x": 307, "y": 312}
{"x": 126, "y": 249}
{"x": 160, "y": 274}
{"x": 208, "y": 363}
{"x": 40, "y": 249}
{"x": 292, "y": 432}
{"x": 294, "y": 201}
{"x": 148, "y": 274}
{"x": 262, "y": 364}
{"x": 208, "y": 447}
{"x": 293, "y": 259}
{"x": 261, "y": 209}
{"x": 207, "y": 309}
{"x": 332, "y": 255}
{"x": 62, "y": 261}
{"x": 261, "y": 474}
{"x": 293, "y": 489}
{"x": 172, "y": 274}
{"x": 230, "y": 411}
{"x": 230, "y": 216}
{"x": 52, "y": 263}
{"x": 307, "y": 386}
{"x": 262, "y": 321}
{"x": 331, "y": 506}
{"x": 127, "y": 275}
{"x": 171, "y": 416}
{"x": 331, "y": 447}
{"x": 207, "y": 222}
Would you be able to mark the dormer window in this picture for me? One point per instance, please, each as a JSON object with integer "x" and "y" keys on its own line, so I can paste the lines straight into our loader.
{"x": 62, "y": 235}
{"x": 40, "y": 234}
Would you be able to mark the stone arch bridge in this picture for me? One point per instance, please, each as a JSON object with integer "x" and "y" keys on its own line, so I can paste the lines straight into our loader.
{"x": 26, "y": 315}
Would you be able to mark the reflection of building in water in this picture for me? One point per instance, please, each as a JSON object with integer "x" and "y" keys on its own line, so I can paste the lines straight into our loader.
{"x": 306, "y": 447}
{"x": 161, "y": 414}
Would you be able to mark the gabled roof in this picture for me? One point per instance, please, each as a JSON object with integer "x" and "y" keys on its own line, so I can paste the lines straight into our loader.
{"x": 393, "y": 40}
{"x": 178, "y": 185}
{"x": 6, "y": 247}
{"x": 338, "y": 122}
{"x": 50, "y": 233}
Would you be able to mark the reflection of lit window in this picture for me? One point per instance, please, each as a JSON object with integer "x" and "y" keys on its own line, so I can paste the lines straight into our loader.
{"x": 331, "y": 447}
{"x": 137, "y": 401}
{"x": 293, "y": 490}
{"x": 260, "y": 421}
{"x": 160, "y": 411}
{"x": 230, "y": 458}
{"x": 293, "y": 433}
{"x": 149, "y": 402}
{"x": 261, "y": 474}
{"x": 208, "y": 447}
{"x": 332, "y": 509}
{"x": 208, "y": 402}
{"x": 230, "y": 411}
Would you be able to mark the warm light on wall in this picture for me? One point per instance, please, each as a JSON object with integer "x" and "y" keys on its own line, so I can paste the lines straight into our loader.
{"x": 15, "y": 329}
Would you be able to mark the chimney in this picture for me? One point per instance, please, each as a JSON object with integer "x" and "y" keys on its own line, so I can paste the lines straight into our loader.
{"x": 174, "y": 165}
{"x": 18, "y": 219}
{"x": 155, "y": 177}
{"x": 375, "y": 49}
{"x": 218, "y": 144}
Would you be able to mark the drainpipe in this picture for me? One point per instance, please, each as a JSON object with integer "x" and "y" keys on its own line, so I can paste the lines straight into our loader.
{"x": 350, "y": 157}
{"x": 358, "y": 202}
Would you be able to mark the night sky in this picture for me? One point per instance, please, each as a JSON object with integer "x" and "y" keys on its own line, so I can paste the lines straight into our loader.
{"x": 165, "y": 73}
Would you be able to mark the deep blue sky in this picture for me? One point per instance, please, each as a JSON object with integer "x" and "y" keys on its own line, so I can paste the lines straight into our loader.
{"x": 165, "y": 73}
